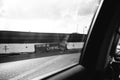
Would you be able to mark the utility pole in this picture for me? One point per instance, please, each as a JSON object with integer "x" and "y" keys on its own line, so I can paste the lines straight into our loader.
{"x": 6, "y": 48}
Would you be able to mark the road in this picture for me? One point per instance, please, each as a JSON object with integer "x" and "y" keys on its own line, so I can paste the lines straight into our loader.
{"x": 36, "y": 67}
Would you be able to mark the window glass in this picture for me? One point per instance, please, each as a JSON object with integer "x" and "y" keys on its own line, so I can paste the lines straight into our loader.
{"x": 62, "y": 16}
{"x": 41, "y": 37}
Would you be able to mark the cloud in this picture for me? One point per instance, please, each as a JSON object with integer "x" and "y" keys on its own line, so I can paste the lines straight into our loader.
{"x": 1, "y": 3}
{"x": 47, "y": 8}
{"x": 88, "y": 7}
{"x": 54, "y": 15}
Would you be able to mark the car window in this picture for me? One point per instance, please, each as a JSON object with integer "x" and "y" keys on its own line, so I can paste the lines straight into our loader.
{"x": 42, "y": 37}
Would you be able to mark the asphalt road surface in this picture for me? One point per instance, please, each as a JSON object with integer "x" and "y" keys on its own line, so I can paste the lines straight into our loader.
{"x": 36, "y": 68}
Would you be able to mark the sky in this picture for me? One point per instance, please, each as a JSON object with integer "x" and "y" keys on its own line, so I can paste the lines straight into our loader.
{"x": 56, "y": 16}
